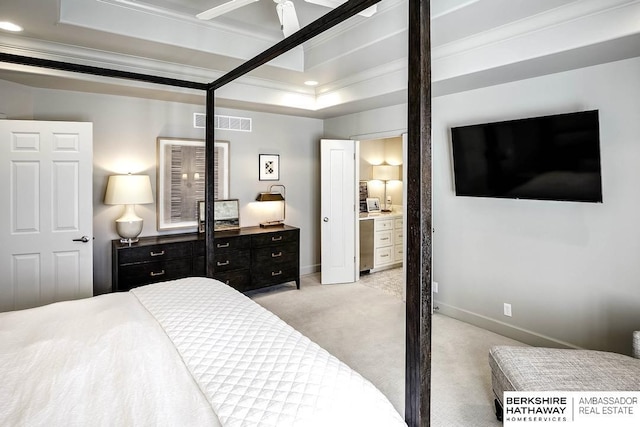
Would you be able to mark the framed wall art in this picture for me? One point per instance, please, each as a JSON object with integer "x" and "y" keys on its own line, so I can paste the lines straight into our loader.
{"x": 226, "y": 215}
{"x": 180, "y": 180}
{"x": 269, "y": 167}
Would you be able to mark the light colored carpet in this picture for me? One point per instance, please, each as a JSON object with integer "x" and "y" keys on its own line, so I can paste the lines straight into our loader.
{"x": 363, "y": 324}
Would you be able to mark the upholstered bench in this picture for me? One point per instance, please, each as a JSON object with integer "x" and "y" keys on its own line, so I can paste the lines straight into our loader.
{"x": 552, "y": 369}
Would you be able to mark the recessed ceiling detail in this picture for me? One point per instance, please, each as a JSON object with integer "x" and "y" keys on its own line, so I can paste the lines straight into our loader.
{"x": 360, "y": 63}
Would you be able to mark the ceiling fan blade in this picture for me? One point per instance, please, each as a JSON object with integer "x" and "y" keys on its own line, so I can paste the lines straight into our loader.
{"x": 288, "y": 17}
{"x": 223, "y": 8}
{"x": 335, "y": 3}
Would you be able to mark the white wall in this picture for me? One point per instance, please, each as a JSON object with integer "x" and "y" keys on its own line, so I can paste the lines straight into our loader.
{"x": 125, "y": 132}
{"x": 570, "y": 270}
{"x": 16, "y": 101}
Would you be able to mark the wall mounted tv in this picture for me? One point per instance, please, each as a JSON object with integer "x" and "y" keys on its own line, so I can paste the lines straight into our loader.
{"x": 545, "y": 158}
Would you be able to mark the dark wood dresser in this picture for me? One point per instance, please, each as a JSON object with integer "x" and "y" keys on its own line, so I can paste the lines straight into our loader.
{"x": 245, "y": 259}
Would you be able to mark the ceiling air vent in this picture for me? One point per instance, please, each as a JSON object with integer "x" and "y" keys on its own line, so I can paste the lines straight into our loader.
{"x": 241, "y": 124}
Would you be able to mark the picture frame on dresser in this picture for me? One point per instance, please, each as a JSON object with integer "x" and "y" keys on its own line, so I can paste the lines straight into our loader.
{"x": 226, "y": 214}
{"x": 373, "y": 205}
{"x": 201, "y": 216}
{"x": 180, "y": 181}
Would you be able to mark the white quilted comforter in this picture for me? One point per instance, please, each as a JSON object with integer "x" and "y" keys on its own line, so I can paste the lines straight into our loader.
{"x": 187, "y": 352}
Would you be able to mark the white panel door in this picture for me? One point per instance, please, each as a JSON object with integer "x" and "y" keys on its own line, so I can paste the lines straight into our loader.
{"x": 339, "y": 211}
{"x": 46, "y": 213}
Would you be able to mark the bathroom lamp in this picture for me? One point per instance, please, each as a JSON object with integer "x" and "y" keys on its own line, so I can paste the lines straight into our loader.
{"x": 128, "y": 190}
{"x": 272, "y": 196}
{"x": 386, "y": 173}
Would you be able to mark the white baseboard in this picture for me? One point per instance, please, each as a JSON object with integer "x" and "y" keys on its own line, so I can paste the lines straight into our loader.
{"x": 309, "y": 269}
{"x": 504, "y": 329}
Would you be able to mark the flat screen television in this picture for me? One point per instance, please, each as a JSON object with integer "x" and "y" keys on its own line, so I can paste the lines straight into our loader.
{"x": 544, "y": 158}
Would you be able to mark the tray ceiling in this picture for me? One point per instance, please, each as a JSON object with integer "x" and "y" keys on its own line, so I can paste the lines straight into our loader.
{"x": 360, "y": 64}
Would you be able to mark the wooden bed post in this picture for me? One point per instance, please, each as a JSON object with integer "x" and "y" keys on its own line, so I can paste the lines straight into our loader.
{"x": 209, "y": 192}
{"x": 419, "y": 210}
{"x": 418, "y": 217}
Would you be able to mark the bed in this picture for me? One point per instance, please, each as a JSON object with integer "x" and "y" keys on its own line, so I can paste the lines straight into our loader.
{"x": 186, "y": 352}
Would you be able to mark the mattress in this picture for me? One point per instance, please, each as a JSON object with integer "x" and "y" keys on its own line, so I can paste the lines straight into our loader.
{"x": 186, "y": 352}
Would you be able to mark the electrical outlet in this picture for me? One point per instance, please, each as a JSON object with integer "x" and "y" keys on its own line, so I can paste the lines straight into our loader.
{"x": 507, "y": 309}
{"x": 435, "y": 287}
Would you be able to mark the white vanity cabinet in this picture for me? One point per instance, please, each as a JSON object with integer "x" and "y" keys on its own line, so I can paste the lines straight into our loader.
{"x": 387, "y": 240}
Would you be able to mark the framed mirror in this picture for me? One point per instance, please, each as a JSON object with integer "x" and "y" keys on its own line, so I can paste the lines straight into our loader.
{"x": 181, "y": 180}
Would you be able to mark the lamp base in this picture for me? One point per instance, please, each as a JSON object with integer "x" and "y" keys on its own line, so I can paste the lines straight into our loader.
{"x": 129, "y": 241}
{"x": 272, "y": 223}
{"x": 129, "y": 225}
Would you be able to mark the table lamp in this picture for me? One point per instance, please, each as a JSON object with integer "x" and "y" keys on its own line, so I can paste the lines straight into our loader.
{"x": 272, "y": 196}
{"x": 386, "y": 173}
{"x": 128, "y": 190}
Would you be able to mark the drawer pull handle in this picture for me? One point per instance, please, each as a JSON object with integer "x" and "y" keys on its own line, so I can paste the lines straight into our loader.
{"x": 222, "y": 263}
{"x": 154, "y": 274}
{"x": 276, "y": 255}
{"x": 222, "y": 245}
{"x": 276, "y": 238}
{"x": 384, "y": 238}
{"x": 156, "y": 253}
{"x": 384, "y": 256}
{"x": 276, "y": 273}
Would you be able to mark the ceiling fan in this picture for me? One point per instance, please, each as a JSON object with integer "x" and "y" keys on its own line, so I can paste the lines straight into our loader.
{"x": 284, "y": 8}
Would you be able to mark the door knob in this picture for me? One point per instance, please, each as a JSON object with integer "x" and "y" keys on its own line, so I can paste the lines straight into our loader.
{"x": 326, "y": 219}
{"x": 83, "y": 239}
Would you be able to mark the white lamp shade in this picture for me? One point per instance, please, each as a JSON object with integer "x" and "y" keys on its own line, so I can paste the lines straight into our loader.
{"x": 386, "y": 172}
{"x": 128, "y": 190}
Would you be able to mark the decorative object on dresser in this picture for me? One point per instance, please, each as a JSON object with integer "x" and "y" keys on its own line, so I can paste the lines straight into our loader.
{"x": 269, "y": 167}
{"x": 202, "y": 210}
{"x": 386, "y": 173}
{"x": 246, "y": 259}
{"x": 272, "y": 196}
{"x": 226, "y": 215}
{"x": 180, "y": 180}
{"x": 373, "y": 205}
{"x": 128, "y": 190}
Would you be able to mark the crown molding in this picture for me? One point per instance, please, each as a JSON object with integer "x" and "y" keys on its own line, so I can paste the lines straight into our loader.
{"x": 548, "y": 20}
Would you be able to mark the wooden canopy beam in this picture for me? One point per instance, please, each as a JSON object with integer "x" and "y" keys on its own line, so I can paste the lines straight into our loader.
{"x": 98, "y": 71}
{"x": 418, "y": 218}
{"x": 320, "y": 25}
{"x": 419, "y": 209}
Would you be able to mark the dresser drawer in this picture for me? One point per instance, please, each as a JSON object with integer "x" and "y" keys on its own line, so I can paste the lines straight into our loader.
{"x": 384, "y": 224}
{"x": 232, "y": 260}
{"x": 384, "y": 255}
{"x": 274, "y": 238}
{"x": 398, "y": 253}
{"x": 274, "y": 255}
{"x": 237, "y": 279}
{"x": 199, "y": 266}
{"x": 271, "y": 276}
{"x": 154, "y": 253}
{"x": 223, "y": 244}
{"x": 383, "y": 238}
{"x": 130, "y": 276}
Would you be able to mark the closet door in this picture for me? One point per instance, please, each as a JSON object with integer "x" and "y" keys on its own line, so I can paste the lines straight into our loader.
{"x": 46, "y": 212}
{"x": 339, "y": 210}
